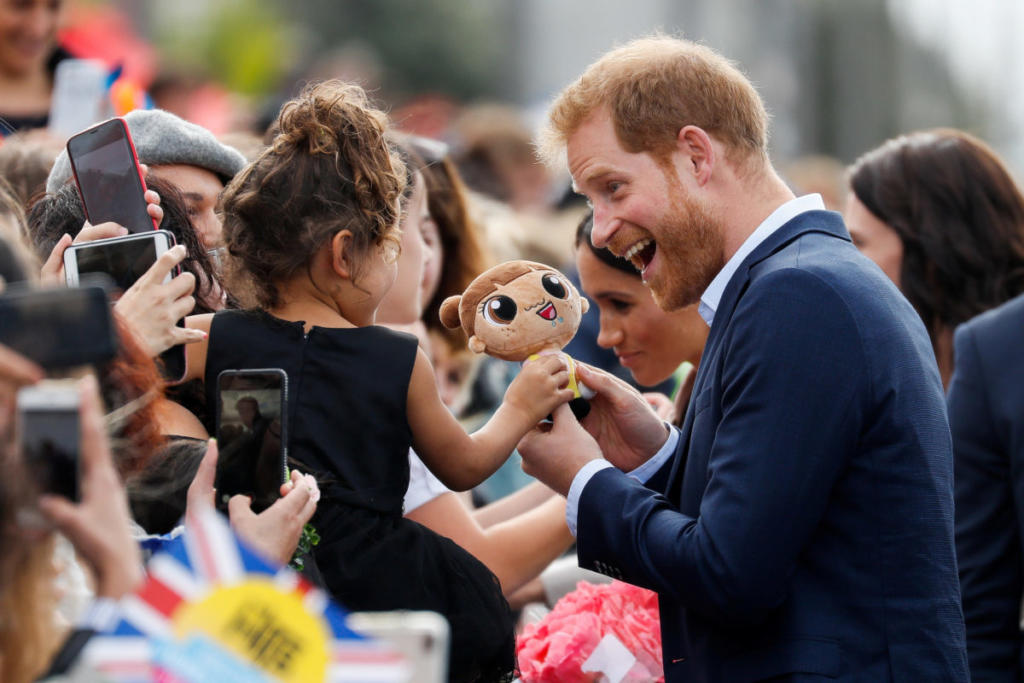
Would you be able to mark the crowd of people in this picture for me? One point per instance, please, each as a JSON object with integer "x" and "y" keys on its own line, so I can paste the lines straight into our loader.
{"x": 792, "y": 491}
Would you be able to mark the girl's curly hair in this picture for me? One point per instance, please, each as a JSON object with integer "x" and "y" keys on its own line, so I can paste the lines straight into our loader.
{"x": 328, "y": 168}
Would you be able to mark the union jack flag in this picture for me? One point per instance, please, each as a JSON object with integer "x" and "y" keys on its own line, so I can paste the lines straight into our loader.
{"x": 150, "y": 644}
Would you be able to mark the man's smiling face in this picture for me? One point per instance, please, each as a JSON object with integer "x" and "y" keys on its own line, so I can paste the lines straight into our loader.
{"x": 643, "y": 212}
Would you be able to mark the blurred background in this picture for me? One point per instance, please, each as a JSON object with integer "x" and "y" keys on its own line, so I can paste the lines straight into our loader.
{"x": 839, "y": 76}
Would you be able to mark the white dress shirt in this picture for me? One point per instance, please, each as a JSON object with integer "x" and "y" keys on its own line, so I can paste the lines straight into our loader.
{"x": 709, "y": 302}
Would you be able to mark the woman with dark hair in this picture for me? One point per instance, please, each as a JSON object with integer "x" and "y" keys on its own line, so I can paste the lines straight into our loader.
{"x": 457, "y": 253}
{"x": 29, "y": 54}
{"x": 59, "y": 215}
{"x": 654, "y": 345}
{"x": 940, "y": 214}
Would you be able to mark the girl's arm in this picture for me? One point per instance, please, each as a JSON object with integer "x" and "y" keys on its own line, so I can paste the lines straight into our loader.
{"x": 463, "y": 460}
{"x": 515, "y": 550}
{"x": 195, "y": 353}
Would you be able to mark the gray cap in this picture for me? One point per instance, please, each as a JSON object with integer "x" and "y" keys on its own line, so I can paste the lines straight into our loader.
{"x": 161, "y": 138}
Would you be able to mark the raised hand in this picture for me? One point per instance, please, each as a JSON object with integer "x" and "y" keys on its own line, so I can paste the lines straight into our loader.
{"x": 52, "y": 271}
{"x": 152, "y": 307}
{"x": 275, "y": 532}
{"x": 99, "y": 527}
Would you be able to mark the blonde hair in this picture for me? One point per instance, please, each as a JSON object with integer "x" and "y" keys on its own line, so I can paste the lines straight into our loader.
{"x": 653, "y": 87}
{"x": 29, "y": 634}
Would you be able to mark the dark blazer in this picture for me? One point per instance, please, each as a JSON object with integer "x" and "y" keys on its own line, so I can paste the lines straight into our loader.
{"x": 986, "y": 415}
{"x": 803, "y": 531}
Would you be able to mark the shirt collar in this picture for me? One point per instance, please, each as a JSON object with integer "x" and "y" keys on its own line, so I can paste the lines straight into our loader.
{"x": 713, "y": 294}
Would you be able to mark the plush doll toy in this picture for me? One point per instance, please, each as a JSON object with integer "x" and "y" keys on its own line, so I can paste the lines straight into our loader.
{"x": 519, "y": 310}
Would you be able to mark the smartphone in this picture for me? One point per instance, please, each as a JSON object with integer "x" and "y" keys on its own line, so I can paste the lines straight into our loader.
{"x": 108, "y": 176}
{"x": 124, "y": 259}
{"x": 49, "y": 427}
{"x": 59, "y": 328}
{"x": 80, "y": 97}
{"x": 252, "y": 435}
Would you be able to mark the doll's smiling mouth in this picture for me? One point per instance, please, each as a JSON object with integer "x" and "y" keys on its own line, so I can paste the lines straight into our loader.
{"x": 548, "y": 312}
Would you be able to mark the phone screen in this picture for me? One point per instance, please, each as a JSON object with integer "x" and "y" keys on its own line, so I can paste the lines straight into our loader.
{"x": 124, "y": 260}
{"x": 58, "y": 328}
{"x": 49, "y": 438}
{"x": 108, "y": 177}
{"x": 251, "y": 436}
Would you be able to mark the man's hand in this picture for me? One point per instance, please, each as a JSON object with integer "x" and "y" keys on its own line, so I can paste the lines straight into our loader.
{"x": 99, "y": 527}
{"x": 275, "y": 532}
{"x": 620, "y": 420}
{"x": 16, "y": 371}
{"x": 152, "y": 307}
{"x": 555, "y": 456}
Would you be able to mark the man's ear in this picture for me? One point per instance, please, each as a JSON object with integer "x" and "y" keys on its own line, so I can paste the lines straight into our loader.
{"x": 694, "y": 143}
{"x": 341, "y": 253}
{"x": 476, "y": 344}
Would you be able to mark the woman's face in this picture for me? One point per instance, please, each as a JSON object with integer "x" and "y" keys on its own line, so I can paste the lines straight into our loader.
{"x": 648, "y": 341}
{"x": 402, "y": 303}
{"x": 875, "y": 239}
{"x": 433, "y": 257}
{"x": 28, "y": 33}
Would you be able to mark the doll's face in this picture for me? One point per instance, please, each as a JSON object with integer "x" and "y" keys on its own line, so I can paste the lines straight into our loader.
{"x": 536, "y": 311}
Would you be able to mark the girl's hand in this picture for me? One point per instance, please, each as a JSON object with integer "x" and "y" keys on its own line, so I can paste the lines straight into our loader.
{"x": 540, "y": 387}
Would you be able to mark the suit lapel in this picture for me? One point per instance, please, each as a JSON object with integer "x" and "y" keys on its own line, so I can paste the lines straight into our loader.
{"x": 827, "y": 222}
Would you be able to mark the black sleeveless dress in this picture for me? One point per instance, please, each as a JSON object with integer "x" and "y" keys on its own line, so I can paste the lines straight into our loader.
{"x": 347, "y": 391}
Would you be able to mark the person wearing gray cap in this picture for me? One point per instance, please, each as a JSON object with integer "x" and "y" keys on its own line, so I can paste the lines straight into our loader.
{"x": 184, "y": 154}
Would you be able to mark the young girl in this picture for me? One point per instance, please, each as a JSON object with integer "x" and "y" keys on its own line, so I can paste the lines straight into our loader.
{"x": 312, "y": 226}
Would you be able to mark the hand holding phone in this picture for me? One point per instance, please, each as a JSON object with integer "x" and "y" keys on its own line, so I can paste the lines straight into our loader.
{"x": 48, "y": 424}
{"x": 155, "y": 307}
{"x": 52, "y": 271}
{"x": 274, "y": 532}
{"x": 125, "y": 259}
{"x": 99, "y": 526}
{"x": 108, "y": 175}
{"x": 252, "y": 436}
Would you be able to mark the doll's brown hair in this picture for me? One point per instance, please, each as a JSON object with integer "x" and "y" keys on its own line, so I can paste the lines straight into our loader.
{"x": 458, "y": 310}
{"x": 328, "y": 168}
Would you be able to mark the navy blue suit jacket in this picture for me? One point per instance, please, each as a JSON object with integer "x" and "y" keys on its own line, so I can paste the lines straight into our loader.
{"x": 986, "y": 414}
{"x": 803, "y": 531}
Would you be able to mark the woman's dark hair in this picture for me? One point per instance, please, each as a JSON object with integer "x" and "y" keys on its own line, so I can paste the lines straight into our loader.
{"x": 61, "y": 212}
{"x": 959, "y": 215}
{"x": 465, "y": 256}
{"x": 606, "y": 257}
{"x": 328, "y": 168}
{"x": 158, "y": 493}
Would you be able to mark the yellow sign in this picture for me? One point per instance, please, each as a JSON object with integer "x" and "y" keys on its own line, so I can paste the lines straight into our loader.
{"x": 263, "y": 625}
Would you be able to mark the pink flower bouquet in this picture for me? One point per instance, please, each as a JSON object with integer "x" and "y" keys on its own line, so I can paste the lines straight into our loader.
{"x": 596, "y": 633}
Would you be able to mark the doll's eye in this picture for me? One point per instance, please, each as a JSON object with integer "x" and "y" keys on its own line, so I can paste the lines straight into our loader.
{"x": 553, "y": 285}
{"x": 500, "y": 310}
